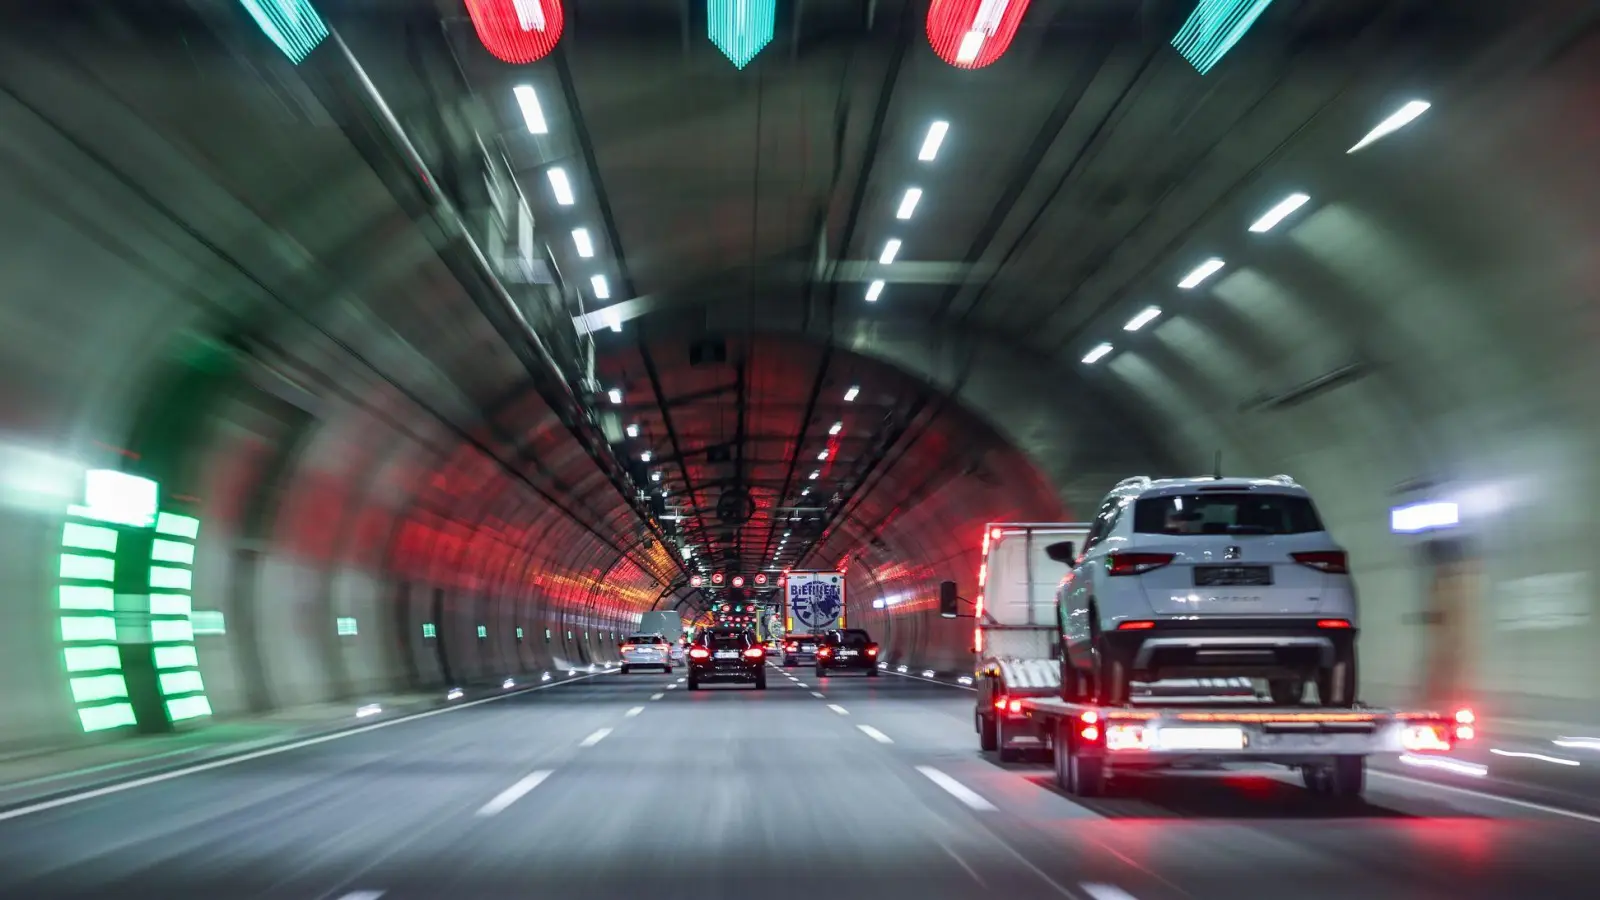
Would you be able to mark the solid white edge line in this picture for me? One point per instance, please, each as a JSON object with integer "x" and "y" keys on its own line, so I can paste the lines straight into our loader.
{"x": 110, "y": 789}
{"x": 839, "y": 709}
{"x": 633, "y": 712}
{"x": 1106, "y": 892}
{"x": 512, "y": 794}
{"x": 1525, "y": 804}
{"x": 875, "y": 734}
{"x": 956, "y": 789}
{"x": 598, "y": 736}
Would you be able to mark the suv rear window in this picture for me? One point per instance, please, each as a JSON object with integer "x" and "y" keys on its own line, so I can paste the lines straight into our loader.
{"x": 853, "y": 637}
{"x": 727, "y": 641}
{"x": 647, "y": 639}
{"x": 1244, "y": 512}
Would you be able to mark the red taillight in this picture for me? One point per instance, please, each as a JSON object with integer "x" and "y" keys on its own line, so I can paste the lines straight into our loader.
{"x": 872, "y": 650}
{"x": 699, "y": 653}
{"x": 1333, "y": 623}
{"x": 1136, "y": 563}
{"x": 1014, "y": 706}
{"x": 755, "y": 653}
{"x": 791, "y": 646}
{"x": 824, "y": 651}
{"x": 1464, "y": 729}
{"x": 1090, "y": 733}
{"x": 1138, "y": 625}
{"x": 1333, "y": 562}
{"x": 1000, "y": 703}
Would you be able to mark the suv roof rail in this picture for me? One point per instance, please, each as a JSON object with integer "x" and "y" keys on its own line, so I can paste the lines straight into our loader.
{"x": 1285, "y": 479}
{"x": 1135, "y": 481}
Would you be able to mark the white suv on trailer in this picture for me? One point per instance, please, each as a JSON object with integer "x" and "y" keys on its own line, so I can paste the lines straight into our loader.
{"x": 1207, "y": 577}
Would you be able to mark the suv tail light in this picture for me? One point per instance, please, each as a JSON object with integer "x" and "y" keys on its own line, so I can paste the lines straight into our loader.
{"x": 699, "y": 653}
{"x": 791, "y": 646}
{"x": 755, "y": 653}
{"x": 872, "y": 649}
{"x": 1333, "y": 562}
{"x": 824, "y": 651}
{"x": 1136, "y": 563}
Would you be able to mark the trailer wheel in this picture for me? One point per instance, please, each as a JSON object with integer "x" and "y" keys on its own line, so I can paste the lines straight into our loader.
{"x": 1345, "y": 777}
{"x": 1079, "y": 775}
{"x": 988, "y": 733}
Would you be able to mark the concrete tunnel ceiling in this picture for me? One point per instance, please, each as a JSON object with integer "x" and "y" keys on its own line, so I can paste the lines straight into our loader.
{"x": 316, "y": 374}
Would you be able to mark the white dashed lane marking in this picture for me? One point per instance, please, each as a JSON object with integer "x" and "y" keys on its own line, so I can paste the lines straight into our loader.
{"x": 501, "y": 800}
{"x": 875, "y": 734}
{"x": 657, "y": 696}
{"x": 595, "y": 738}
{"x": 633, "y": 712}
{"x": 818, "y": 696}
{"x": 955, "y": 788}
{"x": 839, "y": 709}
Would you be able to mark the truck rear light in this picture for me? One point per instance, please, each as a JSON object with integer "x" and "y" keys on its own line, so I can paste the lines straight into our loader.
{"x": 1014, "y": 707}
{"x": 1136, "y": 563}
{"x": 1333, "y": 562}
{"x": 1089, "y": 718}
{"x": 1424, "y": 737}
{"x": 1090, "y": 733}
{"x": 1137, "y": 625}
{"x": 1333, "y": 623}
{"x": 1465, "y": 731}
{"x": 1000, "y": 703}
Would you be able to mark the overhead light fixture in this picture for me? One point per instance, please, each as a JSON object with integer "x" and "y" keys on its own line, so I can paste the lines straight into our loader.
{"x": 1142, "y": 319}
{"x": 601, "y": 289}
{"x": 293, "y": 25}
{"x": 1213, "y": 28}
{"x": 908, "y": 203}
{"x": 1097, "y": 354}
{"x": 823, "y": 455}
{"x": 741, "y": 28}
{"x": 645, "y": 456}
{"x": 890, "y": 250}
{"x": 1401, "y": 117}
{"x": 874, "y": 290}
{"x": 655, "y": 476}
{"x": 1270, "y": 219}
{"x": 615, "y": 394}
{"x": 805, "y": 492}
{"x": 560, "y": 186}
{"x": 1201, "y": 272}
{"x": 850, "y": 395}
{"x": 532, "y": 112}
{"x": 815, "y": 474}
{"x": 633, "y": 430}
{"x": 580, "y": 237}
{"x": 835, "y": 429}
{"x": 932, "y": 141}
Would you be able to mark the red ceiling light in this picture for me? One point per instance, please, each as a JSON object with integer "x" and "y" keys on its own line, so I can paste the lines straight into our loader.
{"x": 971, "y": 34}
{"x": 517, "y": 31}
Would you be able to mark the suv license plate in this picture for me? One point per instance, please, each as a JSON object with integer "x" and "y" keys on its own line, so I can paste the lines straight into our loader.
{"x": 727, "y": 654}
{"x": 847, "y": 653}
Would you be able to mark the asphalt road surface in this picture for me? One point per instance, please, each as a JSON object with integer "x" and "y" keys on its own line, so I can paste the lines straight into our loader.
{"x": 632, "y": 787}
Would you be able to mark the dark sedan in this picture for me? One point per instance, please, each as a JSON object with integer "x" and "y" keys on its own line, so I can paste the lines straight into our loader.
{"x": 847, "y": 650}
{"x": 727, "y": 655}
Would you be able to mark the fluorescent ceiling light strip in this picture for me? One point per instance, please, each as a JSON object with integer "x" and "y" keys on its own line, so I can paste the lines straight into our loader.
{"x": 874, "y": 290}
{"x": 931, "y": 143}
{"x": 602, "y": 290}
{"x": 891, "y": 249}
{"x": 580, "y": 238}
{"x": 561, "y": 186}
{"x": 532, "y": 112}
{"x": 1402, "y": 117}
{"x": 1144, "y": 318}
{"x": 1201, "y": 272}
{"x": 908, "y": 203}
{"x": 1097, "y": 354}
{"x": 1270, "y": 219}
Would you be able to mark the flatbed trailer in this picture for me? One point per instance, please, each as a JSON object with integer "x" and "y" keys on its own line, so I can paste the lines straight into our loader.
{"x": 1329, "y": 747}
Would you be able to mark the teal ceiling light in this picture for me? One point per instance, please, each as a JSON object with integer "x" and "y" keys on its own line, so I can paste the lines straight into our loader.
{"x": 741, "y": 28}
{"x": 291, "y": 24}
{"x": 1213, "y": 28}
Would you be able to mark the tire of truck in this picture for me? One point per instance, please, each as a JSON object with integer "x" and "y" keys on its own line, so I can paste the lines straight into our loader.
{"x": 988, "y": 733}
{"x": 1336, "y": 686}
{"x": 1344, "y": 778}
{"x": 1286, "y": 691}
{"x": 761, "y": 681}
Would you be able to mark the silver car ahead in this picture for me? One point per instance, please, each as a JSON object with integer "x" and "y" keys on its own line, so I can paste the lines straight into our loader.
{"x": 646, "y": 650}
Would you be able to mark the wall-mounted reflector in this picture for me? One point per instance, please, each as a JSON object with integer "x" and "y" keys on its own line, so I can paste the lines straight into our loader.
{"x": 1144, "y": 318}
{"x": 517, "y": 31}
{"x": 1285, "y": 207}
{"x": 1200, "y": 273}
{"x": 1097, "y": 354}
{"x": 1402, "y": 117}
{"x": 740, "y": 28}
{"x": 291, "y": 24}
{"x": 1429, "y": 516}
{"x": 1213, "y": 28}
{"x": 971, "y": 34}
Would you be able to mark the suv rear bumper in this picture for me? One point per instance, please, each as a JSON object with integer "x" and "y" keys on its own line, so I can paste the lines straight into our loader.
{"x": 1264, "y": 648}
